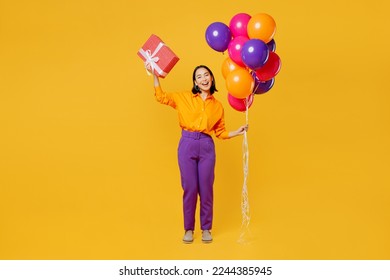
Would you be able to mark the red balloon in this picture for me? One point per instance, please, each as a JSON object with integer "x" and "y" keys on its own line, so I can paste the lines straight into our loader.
{"x": 270, "y": 69}
{"x": 240, "y": 104}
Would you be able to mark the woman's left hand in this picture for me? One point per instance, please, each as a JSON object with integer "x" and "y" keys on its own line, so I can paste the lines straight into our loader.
{"x": 241, "y": 130}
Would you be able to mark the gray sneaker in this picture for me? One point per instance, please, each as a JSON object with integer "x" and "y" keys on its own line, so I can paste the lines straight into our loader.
{"x": 188, "y": 237}
{"x": 206, "y": 236}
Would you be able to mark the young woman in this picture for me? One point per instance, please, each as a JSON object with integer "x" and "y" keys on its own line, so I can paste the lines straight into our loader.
{"x": 200, "y": 115}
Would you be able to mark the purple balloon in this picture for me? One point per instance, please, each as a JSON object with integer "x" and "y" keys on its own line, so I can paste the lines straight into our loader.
{"x": 254, "y": 53}
{"x": 218, "y": 36}
{"x": 262, "y": 87}
{"x": 271, "y": 45}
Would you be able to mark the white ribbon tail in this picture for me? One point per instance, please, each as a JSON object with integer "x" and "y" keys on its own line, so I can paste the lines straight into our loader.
{"x": 244, "y": 196}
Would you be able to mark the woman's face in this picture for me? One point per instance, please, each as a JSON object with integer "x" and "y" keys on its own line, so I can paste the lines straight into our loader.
{"x": 203, "y": 79}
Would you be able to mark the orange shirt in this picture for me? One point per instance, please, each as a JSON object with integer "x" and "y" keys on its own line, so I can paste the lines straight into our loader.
{"x": 195, "y": 114}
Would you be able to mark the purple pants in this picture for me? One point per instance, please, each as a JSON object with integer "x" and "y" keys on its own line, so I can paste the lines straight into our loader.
{"x": 196, "y": 154}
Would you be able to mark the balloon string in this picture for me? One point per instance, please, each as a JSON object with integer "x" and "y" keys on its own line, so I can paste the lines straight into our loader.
{"x": 257, "y": 86}
{"x": 244, "y": 195}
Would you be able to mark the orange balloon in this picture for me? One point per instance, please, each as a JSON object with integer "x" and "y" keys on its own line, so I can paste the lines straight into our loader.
{"x": 228, "y": 65}
{"x": 240, "y": 83}
{"x": 261, "y": 26}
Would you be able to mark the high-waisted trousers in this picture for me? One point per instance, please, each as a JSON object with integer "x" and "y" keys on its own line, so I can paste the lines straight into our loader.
{"x": 196, "y": 155}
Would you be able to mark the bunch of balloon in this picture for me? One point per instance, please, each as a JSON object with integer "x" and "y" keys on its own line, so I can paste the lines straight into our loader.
{"x": 249, "y": 70}
{"x": 252, "y": 63}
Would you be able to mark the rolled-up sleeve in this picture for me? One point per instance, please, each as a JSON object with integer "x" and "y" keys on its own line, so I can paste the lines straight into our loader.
{"x": 164, "y": 97}
{"x": 220, "y": 130}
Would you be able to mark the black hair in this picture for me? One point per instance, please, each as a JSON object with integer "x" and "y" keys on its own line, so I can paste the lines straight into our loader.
{"x": 195, "y": 88}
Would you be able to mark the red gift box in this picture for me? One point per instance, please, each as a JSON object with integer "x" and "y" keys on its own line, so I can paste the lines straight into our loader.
{"x": 160, "y": 56}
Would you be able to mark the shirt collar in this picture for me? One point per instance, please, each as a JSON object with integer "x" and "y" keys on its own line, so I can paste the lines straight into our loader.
{"x": 211, "y": 96}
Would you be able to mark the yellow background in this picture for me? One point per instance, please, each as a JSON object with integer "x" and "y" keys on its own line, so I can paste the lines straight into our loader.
{"x": 88, "y": 165}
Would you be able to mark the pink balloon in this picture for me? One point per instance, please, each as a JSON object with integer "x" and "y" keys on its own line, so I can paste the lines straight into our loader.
{"x": 234, "y": 49}
{"x": 238, "y": 25}
{"x": 240, "y": 104}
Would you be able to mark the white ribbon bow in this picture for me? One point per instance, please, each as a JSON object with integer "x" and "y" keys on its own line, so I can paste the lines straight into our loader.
{"x": 152, "y": 59}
